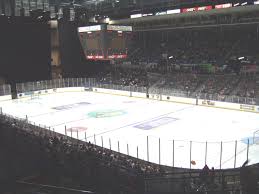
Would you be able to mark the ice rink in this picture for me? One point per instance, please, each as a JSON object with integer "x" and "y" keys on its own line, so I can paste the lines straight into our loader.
{"x": 161, "y": 132}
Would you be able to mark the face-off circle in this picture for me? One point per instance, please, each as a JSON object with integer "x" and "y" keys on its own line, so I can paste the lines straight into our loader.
{"x": 75, "y": 129}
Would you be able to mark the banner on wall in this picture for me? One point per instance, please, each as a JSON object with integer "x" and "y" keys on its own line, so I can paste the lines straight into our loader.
{"x": 247, "y": 107}
{"x": 203, "y": 8}
{"x": 223, "y": 6}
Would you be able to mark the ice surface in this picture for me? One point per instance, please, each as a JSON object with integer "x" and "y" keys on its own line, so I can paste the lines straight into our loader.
{"x": 136, "y": 123}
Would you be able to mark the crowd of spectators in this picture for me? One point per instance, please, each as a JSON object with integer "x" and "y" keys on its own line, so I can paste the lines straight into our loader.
{"x": 57, "y": 156}
{"x": 246, "y": 87}
{"x": 124, "y": 76}
{"x": 198, "y": 46}
{"x": 222, "y": 85}
{"x": 235, "y": 87}
{"x": 183, "y": 82}
{"x": 219, "y": 63}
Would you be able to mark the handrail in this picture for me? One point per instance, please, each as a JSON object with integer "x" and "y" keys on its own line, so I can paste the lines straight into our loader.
{"x": 53, "y": 187}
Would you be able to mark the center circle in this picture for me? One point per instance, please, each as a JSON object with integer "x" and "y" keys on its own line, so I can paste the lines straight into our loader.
{"x": 106, "y": 113}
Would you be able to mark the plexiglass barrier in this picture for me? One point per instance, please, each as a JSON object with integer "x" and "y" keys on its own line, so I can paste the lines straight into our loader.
{"x": 73, "y": 82}
{"x": 214, "y": 97}
{"x": 91, "y": 82}
{"x": 173, "y": 152}
{"x": 179, "y": 153}
{"x": 56, "y": 83}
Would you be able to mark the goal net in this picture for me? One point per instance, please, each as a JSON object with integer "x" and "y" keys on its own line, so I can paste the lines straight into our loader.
{"x": 35, "y": 96}
{"x": 256, "y": 137}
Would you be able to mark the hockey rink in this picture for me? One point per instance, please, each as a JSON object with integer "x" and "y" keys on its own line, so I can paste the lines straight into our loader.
{"x": 168, "y": 133}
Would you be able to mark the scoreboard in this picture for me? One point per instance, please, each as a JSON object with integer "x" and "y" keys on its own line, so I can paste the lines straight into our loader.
{"x": 92, "y": 41}
{"x": 105, "y": 42}
{"x": 118, "y": 41}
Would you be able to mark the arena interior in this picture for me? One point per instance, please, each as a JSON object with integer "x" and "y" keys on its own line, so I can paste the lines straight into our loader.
{"x": 129, "y": 96}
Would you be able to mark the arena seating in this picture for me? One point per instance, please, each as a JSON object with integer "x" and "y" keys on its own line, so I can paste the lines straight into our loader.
{"x": 211, "y": 86}
{"x": 68, "y": 162}
{"x": 196, "y": 46}
{"x": 216, "y": 64}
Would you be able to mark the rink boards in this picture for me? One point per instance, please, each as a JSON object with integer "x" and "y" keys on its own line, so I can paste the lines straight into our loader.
{"x": 192, "y": 101}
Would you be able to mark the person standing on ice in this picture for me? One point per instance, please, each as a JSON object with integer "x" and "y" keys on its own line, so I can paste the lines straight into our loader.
{"x": 204, "y": 174}
{"x": 248, "y": 178}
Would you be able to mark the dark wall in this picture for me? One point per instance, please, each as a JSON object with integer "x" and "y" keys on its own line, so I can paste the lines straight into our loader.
{"x": 24, "y": 51}
{"x": 73, "y": 61}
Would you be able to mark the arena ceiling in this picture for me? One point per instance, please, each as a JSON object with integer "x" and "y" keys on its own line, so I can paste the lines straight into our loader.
{"x": 82, "y": 3}
{"x": 93, "y": 7}
{"x": 118, "y": 9}
{"x": 134, "y": 5}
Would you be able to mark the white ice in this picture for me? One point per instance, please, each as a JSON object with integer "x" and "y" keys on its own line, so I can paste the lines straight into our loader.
{"x": 194, "y": 126}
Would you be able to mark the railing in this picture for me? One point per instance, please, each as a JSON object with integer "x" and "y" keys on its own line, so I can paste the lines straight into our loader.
{"x": 227, "y": 181}
{"x": 191, "y": 182}
{"x": 27, "y": 186}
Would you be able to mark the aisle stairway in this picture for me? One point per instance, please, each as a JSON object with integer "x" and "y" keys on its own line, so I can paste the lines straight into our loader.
{"x": 257, "y": 89}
